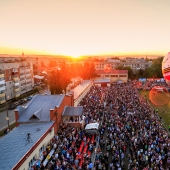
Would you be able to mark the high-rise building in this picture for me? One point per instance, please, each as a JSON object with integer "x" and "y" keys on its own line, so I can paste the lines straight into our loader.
{"x": 16, "y": 78}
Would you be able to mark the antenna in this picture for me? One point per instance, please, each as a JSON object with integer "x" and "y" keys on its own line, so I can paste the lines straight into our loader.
{"x": 28, "y": 140}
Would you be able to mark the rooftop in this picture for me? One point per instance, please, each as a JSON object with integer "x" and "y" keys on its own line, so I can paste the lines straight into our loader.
{"x": 38, "y": 109}
{"x": 14, "y": 145}
{"x": 73, "y": 111}
{"x": 80, "y": 88}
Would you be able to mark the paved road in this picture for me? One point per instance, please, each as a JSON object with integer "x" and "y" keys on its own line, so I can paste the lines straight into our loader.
{"x": 11, "y": 115}
{"x": 3, "y": 121}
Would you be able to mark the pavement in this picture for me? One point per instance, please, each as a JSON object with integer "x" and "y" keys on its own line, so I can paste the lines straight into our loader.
{"x": 3, "y": 121}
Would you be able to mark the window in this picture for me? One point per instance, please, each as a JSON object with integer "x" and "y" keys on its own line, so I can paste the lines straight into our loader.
{"x": 114, "y": 75}
{"x": 3, "y": 91}
{"x": 122, "y": 75}
{"x": 106, "y": 75}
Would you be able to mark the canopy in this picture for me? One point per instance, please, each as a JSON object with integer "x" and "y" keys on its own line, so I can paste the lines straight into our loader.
{"x": 92, "y": 126}
{"x": 73, "y": 111}
{"x": 38, "y": 77}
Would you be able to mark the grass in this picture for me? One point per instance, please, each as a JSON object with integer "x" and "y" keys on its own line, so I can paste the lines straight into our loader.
{"x": 160, "y": 102}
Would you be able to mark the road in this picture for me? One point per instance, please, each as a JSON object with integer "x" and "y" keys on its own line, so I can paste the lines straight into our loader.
{"x": 11, "y": 115}
{"x": 3, "y": 121}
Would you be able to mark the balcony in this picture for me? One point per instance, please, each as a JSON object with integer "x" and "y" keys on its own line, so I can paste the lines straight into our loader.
{"x": 2, "y": 82}
{"x": 2, "y": 88}
{"x": 16, "y": 90}
{"x": 2, "y": 101}
{"x": 28, "y": 75}
{"x": 22, "y": 80}
{"x": 28, "y": 80}
{"x": 22, "y": 76}
{"x": 2, "y": 94}
{"x": 2, "y": 75}
{"x": 15, "y": 78}
{"x": 16, "y": 84}
{"x": 16, "y": 95}
{"x": 23, "y": 84}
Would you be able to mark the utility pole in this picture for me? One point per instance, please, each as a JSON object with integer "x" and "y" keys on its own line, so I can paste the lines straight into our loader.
{"x": 7, "y": 117}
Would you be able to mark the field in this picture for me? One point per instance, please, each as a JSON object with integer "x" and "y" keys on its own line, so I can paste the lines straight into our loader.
{"x": 160, "y": 101}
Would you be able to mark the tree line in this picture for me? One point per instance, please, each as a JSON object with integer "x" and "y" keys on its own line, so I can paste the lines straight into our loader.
{"x": 154, "y": 71}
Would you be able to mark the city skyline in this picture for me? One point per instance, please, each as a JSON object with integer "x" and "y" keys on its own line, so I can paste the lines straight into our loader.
{"x": 77, "y": 28}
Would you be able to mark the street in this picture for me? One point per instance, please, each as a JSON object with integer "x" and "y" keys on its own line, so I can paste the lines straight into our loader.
{"x": 3, "y": 121}
{"x": 11, "y": 115}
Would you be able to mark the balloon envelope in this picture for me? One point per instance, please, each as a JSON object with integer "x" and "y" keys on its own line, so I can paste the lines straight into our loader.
{"x": 166, "y": 67}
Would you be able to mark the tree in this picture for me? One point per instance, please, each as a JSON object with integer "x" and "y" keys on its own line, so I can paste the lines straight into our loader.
{"x": 42, "y": 64}
{"x": 59, "y": 79}
{"x": 155, "y": 70}
{"x": 131, "y": 74}
{"x": 52, "y": 63}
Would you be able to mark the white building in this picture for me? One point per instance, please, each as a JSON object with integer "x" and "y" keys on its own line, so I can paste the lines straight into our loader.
{"x": 16, "y": 78}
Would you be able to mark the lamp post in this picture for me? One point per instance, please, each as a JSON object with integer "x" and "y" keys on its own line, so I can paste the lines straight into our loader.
{"x": 7, "y": 117}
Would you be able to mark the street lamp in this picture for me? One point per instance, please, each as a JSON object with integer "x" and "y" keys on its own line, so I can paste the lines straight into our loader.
{"x": 7, "y": 117}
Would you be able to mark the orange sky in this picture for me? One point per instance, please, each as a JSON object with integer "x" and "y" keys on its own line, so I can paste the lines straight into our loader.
{"x": 84, "y": 27}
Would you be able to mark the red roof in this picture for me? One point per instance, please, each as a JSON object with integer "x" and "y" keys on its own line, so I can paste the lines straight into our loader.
{"x": 112, "y": 72}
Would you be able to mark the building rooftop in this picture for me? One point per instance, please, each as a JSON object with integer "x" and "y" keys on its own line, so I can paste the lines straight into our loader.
{"x": 73, "y": 111}
{"x": 104, "y": 80}
{"x": 38, "y": 109}
{"x": 80, "y": 88}
{"x": 14, "y": 145}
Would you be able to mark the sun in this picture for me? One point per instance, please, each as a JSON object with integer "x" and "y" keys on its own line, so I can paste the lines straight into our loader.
{"x": 75, "y": 56}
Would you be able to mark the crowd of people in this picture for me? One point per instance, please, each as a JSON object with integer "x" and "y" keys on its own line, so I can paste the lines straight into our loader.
{"x": 130, "y": 134}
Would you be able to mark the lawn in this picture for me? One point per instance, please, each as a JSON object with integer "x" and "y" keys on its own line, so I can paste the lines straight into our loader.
{"x": 160, "y": 101}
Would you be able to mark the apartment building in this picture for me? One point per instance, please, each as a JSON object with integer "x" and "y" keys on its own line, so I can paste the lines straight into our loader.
{"x": 136, "y": 63}
{"x": 103, "y": 64}
{"x": 16, "y": 78}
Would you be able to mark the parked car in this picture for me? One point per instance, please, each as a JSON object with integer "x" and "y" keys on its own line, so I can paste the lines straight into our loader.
{"x": 12, "y": 106}
{"x": 30, "y": 97}
{"x": 22, "y": 101}
{"x": 17, "y": 103}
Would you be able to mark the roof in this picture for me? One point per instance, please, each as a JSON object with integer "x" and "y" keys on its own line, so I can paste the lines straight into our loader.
{"x": 72, "y": 111}
{"x": 38, "y": 109}
{"x": 92, "y": 126}
{"x": 14, "y": 145}
{"x": 112, "y": 72}
{"x": 102, "y": 80}
{"x": 80, "y": 88}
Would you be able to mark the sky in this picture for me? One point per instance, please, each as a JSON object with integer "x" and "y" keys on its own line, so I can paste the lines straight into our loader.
{"x": 85, "y": 27}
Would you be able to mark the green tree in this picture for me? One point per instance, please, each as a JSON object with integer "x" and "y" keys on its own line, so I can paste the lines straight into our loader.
{"x": 59, "y": 79}
{"x": 155, "y": 70}
{"x": 131, "y": 74}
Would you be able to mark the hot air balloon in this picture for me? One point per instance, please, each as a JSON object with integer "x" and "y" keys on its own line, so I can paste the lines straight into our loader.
{"x": 166, "y": 67}
{"x": 167, "y": 81}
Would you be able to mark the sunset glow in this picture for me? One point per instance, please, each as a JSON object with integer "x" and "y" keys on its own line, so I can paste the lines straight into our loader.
{"x": 75, "y": 28}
